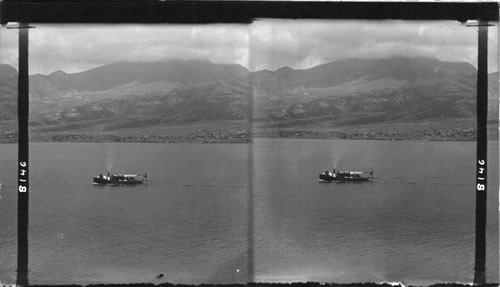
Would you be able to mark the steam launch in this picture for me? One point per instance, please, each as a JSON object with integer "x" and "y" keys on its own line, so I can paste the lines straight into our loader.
{"x": 345, "y": 176}
{"x": 120, "y": 179}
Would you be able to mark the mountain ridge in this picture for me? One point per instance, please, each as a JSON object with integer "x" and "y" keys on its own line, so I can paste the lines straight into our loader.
{"x": 348, "y": 91}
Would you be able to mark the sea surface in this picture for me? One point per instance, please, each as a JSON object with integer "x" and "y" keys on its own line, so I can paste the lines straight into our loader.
{"x": 225, "y": 213}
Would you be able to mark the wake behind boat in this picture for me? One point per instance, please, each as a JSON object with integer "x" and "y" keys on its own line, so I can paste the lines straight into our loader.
{"x": 120, "y": 179}
{"x": 345, "y": 176}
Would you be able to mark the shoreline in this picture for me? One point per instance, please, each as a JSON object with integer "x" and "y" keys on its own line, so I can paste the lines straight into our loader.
{"x": 241, "y": 134}
{"x": 116, "y": 139}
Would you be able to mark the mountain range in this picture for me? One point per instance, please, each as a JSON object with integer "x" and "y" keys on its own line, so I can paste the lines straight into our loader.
{"x": 343, "y": 92}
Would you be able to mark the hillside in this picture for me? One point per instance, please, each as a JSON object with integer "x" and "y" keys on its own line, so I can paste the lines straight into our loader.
{"x": 8, "y": 95}
{"x": 121, "y": 98}
{"x": 397, "y": 88}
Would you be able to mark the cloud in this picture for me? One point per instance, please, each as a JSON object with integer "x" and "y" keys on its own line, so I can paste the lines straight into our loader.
{"x": 8, "y": 47}
{"x": 302, "y": 44}
{"x": 264, "y": 44}
{"x": 74, "y": 48}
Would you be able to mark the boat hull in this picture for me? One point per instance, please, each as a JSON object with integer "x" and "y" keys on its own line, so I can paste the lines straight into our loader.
{"x": 113, "y": 181}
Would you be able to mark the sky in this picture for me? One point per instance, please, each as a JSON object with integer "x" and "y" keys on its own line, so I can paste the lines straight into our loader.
{"x": 264, "y": 44}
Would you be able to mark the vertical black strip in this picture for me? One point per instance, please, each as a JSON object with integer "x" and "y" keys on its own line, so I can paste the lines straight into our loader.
{"x": 251, "y": 194}
{"x": 482, "y": 144}
{"x": 23, "y": 182}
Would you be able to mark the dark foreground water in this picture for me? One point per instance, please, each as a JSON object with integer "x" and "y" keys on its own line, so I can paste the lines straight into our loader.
{"x": 413, "y": 223}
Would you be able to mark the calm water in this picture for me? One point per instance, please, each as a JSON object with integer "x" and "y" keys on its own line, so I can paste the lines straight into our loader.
{"x": 413, "y": 223}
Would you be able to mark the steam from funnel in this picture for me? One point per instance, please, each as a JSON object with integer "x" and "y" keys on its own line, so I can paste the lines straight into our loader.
{"x": 335, "y": 162}
{"x": 335, "y": 159}
{"x": 337, "y": 152}
{"x": 110, "y": 160}
{"x": 109, "y": 163}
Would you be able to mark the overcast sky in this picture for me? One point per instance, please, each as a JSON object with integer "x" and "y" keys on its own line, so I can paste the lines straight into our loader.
{"x": 264, "y": 44}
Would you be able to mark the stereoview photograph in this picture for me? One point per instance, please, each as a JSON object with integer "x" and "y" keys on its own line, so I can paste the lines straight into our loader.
{"x": 275, "y": 151}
